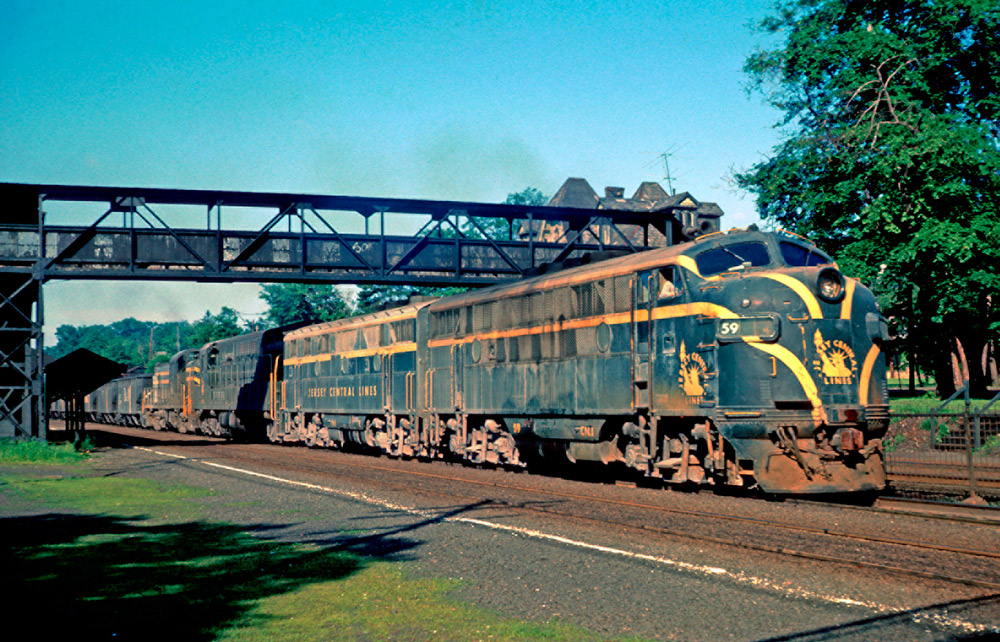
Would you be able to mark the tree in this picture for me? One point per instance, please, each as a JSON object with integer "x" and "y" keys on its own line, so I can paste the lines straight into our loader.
{"x": 891, "y": 158}
{"x": 527, "y": 196}
{"x": 128, "y": 341}
{"x": 299, "y": 302}
{"x": 213, "y": 327}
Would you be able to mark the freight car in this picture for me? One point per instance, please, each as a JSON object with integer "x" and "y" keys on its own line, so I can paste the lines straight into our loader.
{"x": 742, "y": 356}
{"x": 118, "y": 402}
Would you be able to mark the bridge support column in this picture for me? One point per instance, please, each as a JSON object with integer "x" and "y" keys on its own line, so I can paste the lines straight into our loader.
{"x": 22, "y": 385}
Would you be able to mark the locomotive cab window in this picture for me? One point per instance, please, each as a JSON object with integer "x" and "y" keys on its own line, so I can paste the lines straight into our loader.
{"x": 642, "y": 289}
{"x": 736, "y": 256}
{"x": 669, "y": 283}
{"x": 796, "y": 255}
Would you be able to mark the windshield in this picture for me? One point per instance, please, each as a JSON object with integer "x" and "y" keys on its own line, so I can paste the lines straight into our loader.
{"x": 796, "y": 255}
{"x": 734, "y": 256}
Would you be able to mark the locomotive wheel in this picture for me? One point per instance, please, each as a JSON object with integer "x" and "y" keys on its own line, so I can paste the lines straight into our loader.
{"x": 273, "y": 435}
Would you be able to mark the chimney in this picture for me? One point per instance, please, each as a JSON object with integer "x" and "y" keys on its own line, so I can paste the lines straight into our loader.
{"x": 614, "y": 192}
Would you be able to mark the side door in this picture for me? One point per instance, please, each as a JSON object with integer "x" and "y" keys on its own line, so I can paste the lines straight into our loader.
{"x": 641, "y": 334}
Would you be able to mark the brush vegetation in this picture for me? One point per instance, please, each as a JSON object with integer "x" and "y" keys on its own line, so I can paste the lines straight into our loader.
{"x": 38, "y": 451}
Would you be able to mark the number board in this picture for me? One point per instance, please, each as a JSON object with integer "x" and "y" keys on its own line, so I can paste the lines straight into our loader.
{"x": 741, "y": 328}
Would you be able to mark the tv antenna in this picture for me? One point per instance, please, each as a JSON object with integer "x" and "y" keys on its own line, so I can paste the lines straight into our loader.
{"x": 667, "y": 176}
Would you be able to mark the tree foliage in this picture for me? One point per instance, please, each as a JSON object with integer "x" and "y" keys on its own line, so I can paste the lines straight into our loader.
{"x": 213, "y": 327}
{"x": 299, "y": 302}
{"x": 891, "y": 158}
{"x": 143, "y": 344}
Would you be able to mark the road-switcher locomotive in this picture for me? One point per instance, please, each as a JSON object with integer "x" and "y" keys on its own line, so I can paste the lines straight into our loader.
{"x": 741, "y": 357}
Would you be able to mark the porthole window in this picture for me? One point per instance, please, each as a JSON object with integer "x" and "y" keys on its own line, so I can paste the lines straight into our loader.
{"x": 603, "y": 337}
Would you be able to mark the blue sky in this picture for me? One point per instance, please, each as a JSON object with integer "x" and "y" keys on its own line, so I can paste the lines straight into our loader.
{"x": 444, "y": 100}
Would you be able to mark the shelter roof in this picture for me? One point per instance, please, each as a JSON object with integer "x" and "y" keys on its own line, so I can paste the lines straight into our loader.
{"x": 78, "y": 373}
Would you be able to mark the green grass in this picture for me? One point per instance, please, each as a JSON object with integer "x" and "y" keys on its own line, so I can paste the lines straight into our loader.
{"x": 382, "y": 603}
{"x": 110, "y": 557}
{"x": 37, "y": 451}
{"x": 118, "y": 496}
{"x": 930, "y": 403}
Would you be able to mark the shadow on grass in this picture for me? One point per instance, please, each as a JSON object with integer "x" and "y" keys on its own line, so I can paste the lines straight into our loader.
{"x": 106, "y": 577}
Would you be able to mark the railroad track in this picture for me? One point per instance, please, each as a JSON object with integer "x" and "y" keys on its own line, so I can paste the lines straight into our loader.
{"x": 972, "y": 513}
{"x": 421, "y": 481}
{"x": 945, "y": 473}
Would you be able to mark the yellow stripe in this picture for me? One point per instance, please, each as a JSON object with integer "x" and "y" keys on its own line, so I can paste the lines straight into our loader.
{"x": 845, "y": 308}
{"x": 799, "y": 288}
{"x": 688, "y": 264}
{"x": 800, "y": 371}
{"x": 610, "y": 319}
{"x": 409, "y": 346}
{"x": 702, "y": 308}
{"x": 866, "y": 374}
{"x": 664, "y": 312}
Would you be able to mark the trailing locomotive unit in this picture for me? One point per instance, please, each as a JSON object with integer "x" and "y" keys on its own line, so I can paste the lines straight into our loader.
{"x": 741, "y": 354}
{"x": 354, "y": 381}
{"x": 223, "y": 389}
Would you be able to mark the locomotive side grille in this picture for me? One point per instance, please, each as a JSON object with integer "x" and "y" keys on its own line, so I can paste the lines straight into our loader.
{"x": 623, "y": 294}
{"x": 344, "y": 341}
{"x": 567, "y": 343}
{"x": 586, "y": 340}
{"x": 482, "y": 317}
{"x": 562, "y": 300}
{"x": 512, "y": 313}
{"x": 513, "y": 349}
{"x": 550, "y": 345}
{"x": 445, "y": 323}
{"x": 536, "y": 309}
{"x": 584, "y": 295}
{"x": 403, "y": 331}
{"x": 534, "y": 350}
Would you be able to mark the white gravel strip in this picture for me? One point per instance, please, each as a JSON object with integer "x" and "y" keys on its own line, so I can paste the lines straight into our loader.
{"x": 713, "y": 571}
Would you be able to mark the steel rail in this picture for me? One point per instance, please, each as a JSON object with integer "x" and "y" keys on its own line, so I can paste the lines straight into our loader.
{"x": 929, "y": 509}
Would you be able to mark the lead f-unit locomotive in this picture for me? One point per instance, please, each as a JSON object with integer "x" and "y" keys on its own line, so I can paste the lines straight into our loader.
{"x": 740, "y": 356}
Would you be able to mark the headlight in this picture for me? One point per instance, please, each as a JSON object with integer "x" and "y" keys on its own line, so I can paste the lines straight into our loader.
{"x": 830, "y": 285}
